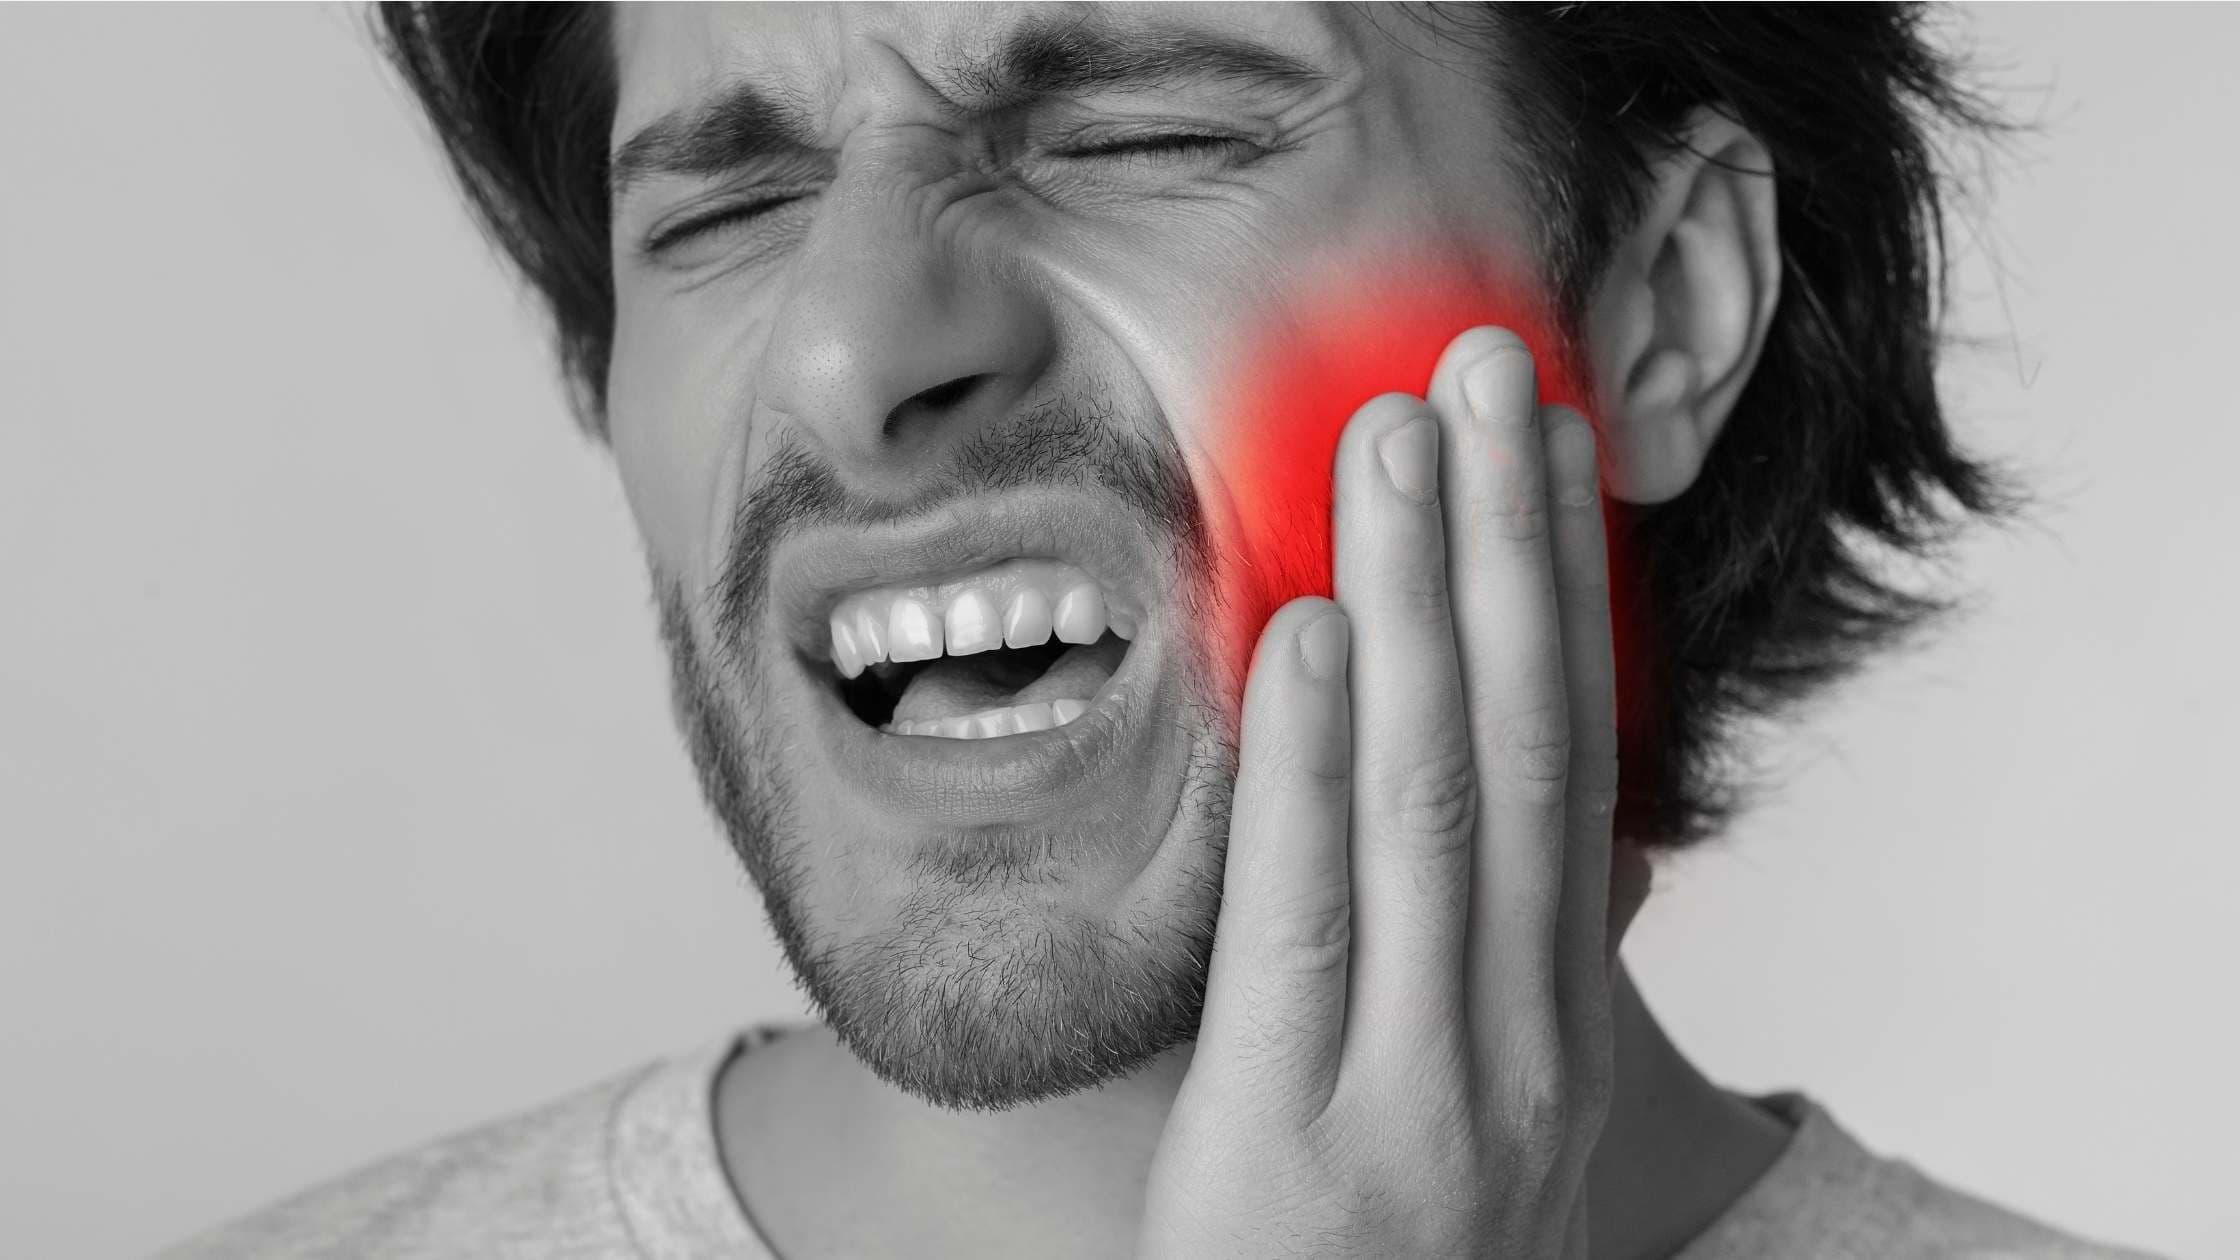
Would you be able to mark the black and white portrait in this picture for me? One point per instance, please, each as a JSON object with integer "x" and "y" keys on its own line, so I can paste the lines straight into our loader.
{"x": 1177, "y": 631}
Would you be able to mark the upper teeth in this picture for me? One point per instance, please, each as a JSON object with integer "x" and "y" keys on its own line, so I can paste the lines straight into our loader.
{"x": 1017, "y": 603}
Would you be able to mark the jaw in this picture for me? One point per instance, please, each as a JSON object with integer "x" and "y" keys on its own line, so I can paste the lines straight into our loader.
{"x": 986, "y": 985}
{"x": 1032, "y": 893}
{"x": 1011, "y": 961}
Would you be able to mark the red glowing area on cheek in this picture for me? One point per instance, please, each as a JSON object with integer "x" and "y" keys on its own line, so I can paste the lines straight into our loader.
{"x": 1302, "y": 374}
{"x": 1331, "y": 347}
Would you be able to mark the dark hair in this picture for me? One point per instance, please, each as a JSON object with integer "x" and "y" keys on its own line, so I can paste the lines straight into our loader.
{"x": 1759, "y": 585}
{"x": 1769, "y": 578}
{"x": 522, "y": 97}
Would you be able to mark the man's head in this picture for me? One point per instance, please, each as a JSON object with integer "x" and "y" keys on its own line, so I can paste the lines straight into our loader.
{"x": 914, "y": 330}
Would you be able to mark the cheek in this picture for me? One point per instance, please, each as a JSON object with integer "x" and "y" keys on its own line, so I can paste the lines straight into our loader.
{"x": 674, "y": 408}
{"x": 1339, "y": 341}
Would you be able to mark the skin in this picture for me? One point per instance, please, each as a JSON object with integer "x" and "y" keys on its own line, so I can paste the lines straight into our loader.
{"x": 1414, "y": 1038}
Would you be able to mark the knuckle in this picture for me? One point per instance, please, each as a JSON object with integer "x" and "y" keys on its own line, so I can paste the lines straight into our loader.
{"x": 1537, "y": 1117}
{"x": 1534, "y": 751}
{"x": 1535, "y": 1098}
{"x": 1300, "y": 763}
{"x": 1515, "y": 506}
{"x": 1526, "y": 522}
{"x": 1309, "y": 935}
{"x": 1438, "y": 800}
{"x": 1521, "y": 518}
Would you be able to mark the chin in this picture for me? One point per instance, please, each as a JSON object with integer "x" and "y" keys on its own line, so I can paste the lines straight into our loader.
{"x": 988, "y": 912}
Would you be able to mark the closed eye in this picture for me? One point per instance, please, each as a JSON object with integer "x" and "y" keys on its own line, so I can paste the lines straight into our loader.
{"x": 1165, "y": 143}
{"x": 1164, "y": 146}
{"x": 669, "y": 238}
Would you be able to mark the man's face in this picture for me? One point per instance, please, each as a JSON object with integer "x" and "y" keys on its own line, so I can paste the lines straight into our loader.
{"x": 935, "y": 330}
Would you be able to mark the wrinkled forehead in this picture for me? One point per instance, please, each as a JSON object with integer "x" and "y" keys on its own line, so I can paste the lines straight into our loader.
{"x": 670, "y": 57}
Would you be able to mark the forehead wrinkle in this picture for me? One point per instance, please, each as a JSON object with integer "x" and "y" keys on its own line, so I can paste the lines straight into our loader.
{"x": 795, "y": 102}
{"x": 1051, "y": 54}
{"x": 1042, "y": 53}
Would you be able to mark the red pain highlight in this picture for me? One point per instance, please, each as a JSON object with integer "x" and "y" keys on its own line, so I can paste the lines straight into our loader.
{"x": 1304, "y": 371}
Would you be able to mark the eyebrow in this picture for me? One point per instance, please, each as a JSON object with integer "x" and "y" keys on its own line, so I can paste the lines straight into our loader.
{"x": 1042, "y": 58}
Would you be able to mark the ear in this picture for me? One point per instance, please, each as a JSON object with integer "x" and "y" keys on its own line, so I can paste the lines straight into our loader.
{"x": 1677, "y": 321}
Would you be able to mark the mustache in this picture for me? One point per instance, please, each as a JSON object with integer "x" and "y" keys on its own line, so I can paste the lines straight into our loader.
{"x": 1070, "y": 440}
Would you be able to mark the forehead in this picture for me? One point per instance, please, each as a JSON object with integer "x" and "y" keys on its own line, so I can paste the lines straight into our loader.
{"x": 669, "y": 55}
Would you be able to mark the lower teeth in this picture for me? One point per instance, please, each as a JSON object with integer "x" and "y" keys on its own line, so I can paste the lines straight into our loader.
{"x": 1014, "y": 719}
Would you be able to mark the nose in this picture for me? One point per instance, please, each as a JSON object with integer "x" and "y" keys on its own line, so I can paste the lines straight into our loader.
{"x": 892, "y": 346}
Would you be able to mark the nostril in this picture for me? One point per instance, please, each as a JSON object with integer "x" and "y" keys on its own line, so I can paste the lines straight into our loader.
{"x": 948, "y": 395}
{"x": 941, "y": 397}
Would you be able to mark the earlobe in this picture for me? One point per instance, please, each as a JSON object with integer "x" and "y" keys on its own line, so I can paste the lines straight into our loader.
{"x": 1655, "y": 440}
{"x": 1680, "y": 317}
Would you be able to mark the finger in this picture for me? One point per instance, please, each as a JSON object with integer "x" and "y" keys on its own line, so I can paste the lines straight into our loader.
{"x": 1276, "y": 988}
{"x": 1582, "y": 577}
{"x": 1414, "y": 784}
{"x": 1513, "y": 685}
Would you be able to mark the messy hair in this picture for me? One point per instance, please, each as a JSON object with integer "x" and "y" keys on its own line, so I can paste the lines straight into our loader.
{"x": 1762, "y": 583}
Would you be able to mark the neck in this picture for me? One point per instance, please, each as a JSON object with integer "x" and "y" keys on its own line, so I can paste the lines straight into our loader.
{"x": 1676, "y": 1150}
{"x": 829, "y": 1160}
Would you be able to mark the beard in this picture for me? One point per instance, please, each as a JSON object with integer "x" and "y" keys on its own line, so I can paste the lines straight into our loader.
{"x": 975, "y": 993}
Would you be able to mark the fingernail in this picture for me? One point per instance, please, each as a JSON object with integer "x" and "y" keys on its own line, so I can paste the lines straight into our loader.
{"x": 1411, "y": 459}
{"x": 1322, "y": 646}
{"x": 1498, "y": 387}
{"x": 1571, "y": 464}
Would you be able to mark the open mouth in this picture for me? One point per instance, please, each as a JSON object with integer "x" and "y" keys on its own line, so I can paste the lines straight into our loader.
{"x": 1020, "y": 646}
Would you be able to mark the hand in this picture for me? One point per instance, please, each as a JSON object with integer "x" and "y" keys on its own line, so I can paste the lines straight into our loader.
{"x": 1405, "y": 1049}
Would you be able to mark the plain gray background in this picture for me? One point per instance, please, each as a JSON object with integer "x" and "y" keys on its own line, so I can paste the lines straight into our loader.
{"x": 341, "y": 807}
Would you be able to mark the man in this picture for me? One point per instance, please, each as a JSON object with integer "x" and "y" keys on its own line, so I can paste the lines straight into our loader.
{"x": 998, "y": 390}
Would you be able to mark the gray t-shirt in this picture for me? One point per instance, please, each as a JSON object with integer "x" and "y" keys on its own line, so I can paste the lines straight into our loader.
{"x": 629, "y": 1169}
